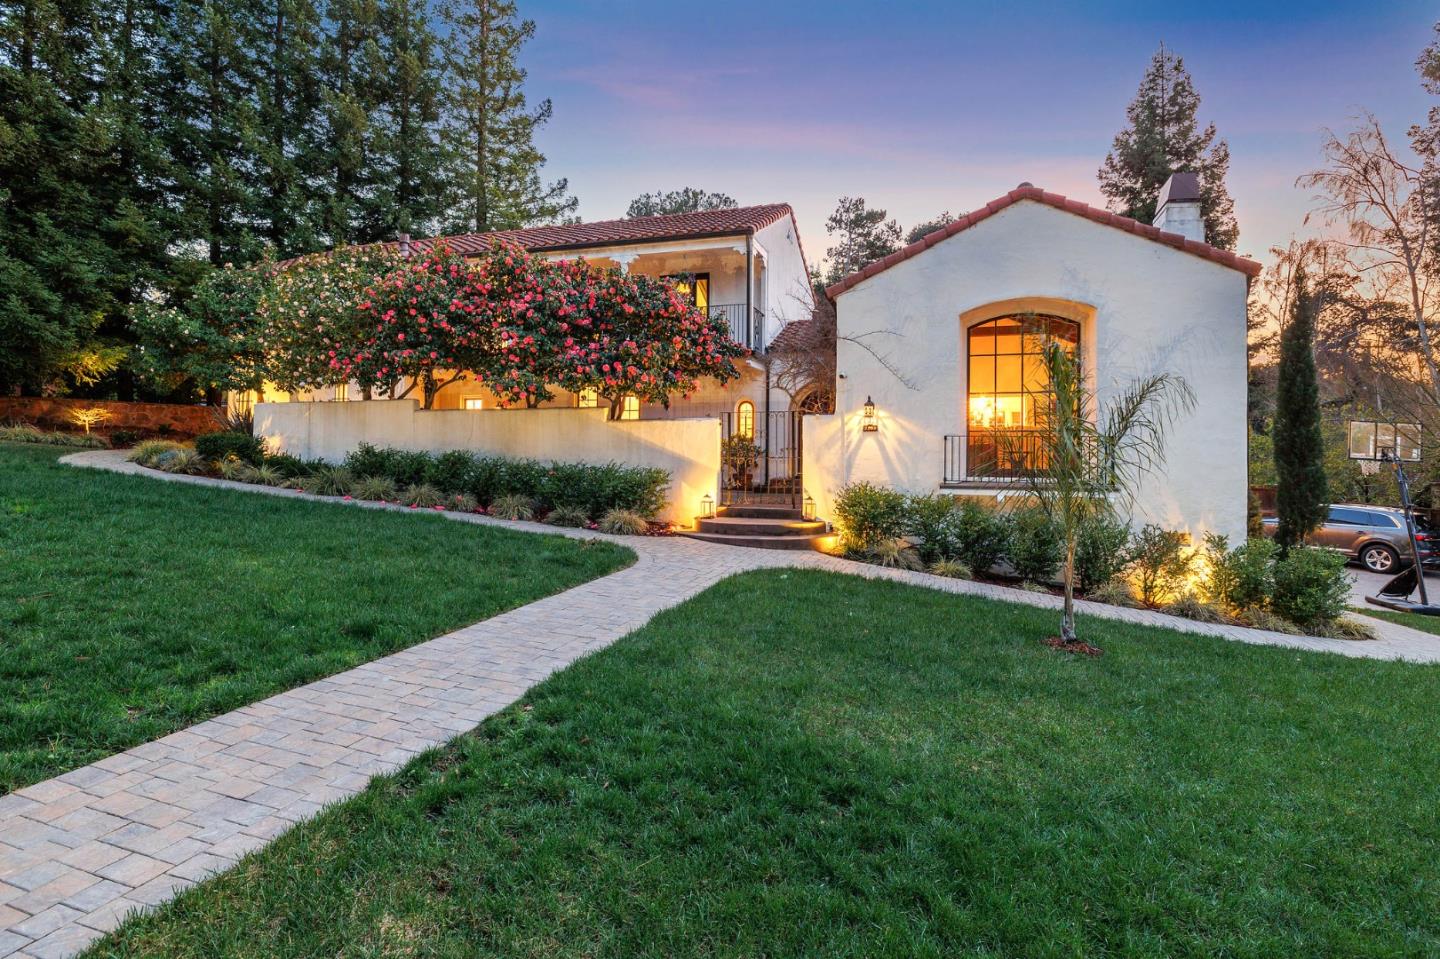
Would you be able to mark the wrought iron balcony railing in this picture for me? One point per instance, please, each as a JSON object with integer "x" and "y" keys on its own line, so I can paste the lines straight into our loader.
{"x": 749, "y": 333}
{"x": 999, "y": 454}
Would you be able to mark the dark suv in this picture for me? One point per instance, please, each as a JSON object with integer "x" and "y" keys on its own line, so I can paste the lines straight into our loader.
{"x": 1373, "y": 536}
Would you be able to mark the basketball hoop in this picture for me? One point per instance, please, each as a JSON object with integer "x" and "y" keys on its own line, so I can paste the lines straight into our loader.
{"x": 1372, "y": 443}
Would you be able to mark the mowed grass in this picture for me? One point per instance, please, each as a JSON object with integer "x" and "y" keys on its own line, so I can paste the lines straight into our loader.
{"x": 806, "y": 764}
{"x": 131, "y": 607}
{"x": 1426, "y": 624}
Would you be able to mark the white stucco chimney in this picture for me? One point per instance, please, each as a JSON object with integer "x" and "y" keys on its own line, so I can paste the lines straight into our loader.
{"x": 1178, "y": 210}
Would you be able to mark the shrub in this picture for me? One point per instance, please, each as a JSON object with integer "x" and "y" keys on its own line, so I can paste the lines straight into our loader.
{"x": 461, "y": 503}
{"x": 1102, "y": 551}
{"x": 1257, "y": 617}
{"x": 1346, "y": 627}
{"x": 1190, "y": 606}
{"x": 1160, "y": 562}
{"x": 951, "y": 568}
{"x": 148, "y": 452}
{"x": 623, "y": 522}
{"x": 450, "y": 472}
{"x": 869, "y": 515}
{"x": 375, "y": 488}
{"x": 236, "y": 471}
{"x": 242, "y": 446}
{"x": 980, "y": 535}
{"x": 25, "y": 433}
{"x": 124, "y": 437}
{"x": 894, "y": 554}
{"x": 1036, "y": 546}
{"x": 286, "y": 465}
{"x": 929, "y": 518}
{"x": 329, "y": 481}
{"x": 405, "y": 467}
{"x": 572, "y": 516}
{"x": 422, "y": 496}
{"x": 1253, "y": 565}
{"x": 1311, "y": 587}
{"x": 513, "y": 506}
{"x": 1115, "y": 592}
{"x": 267, "y": 475}
{"x": 181, "y": 460}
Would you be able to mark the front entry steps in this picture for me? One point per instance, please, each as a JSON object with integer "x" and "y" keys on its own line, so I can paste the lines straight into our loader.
{"x": 763, "y": 527}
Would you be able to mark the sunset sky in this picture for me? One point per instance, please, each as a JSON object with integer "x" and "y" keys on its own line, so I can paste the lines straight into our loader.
{"x": 922, "y": 107}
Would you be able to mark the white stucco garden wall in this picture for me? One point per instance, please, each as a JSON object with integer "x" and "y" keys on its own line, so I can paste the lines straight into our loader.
{"x": 688, "y": 448}
{"x": 1144, "y": 307}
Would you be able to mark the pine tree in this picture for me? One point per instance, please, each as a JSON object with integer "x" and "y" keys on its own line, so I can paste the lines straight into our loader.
{"x": 210, "y": 76}
{"x": 489, "y": 128}
{"x": 865, "y": 236}
{"x": 1301, "y": 498}
{"x": 287, "y": 118}
{"x": 685, "y": 200}
{"x": 1162, "y": 139}
{"x": 350, "y": 69}
{"x": 407, "y": 157}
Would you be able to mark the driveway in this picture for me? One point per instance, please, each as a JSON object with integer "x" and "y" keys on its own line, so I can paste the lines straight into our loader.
{"x": 1365, "y": 583}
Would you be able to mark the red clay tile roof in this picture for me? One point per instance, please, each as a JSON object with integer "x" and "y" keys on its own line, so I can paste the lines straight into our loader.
{"x": 1027, "y": 192}
{"x": 646, "y": 229}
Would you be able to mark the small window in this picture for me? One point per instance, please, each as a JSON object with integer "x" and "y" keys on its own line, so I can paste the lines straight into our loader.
{"x": 587, "y": 399}
{"x": 342, "y": 393}
{"x": 695, "y": 287}
{"x": 630, "y": 408}
{"x": 473, "y": 403}
{"x": 745, "y": 419}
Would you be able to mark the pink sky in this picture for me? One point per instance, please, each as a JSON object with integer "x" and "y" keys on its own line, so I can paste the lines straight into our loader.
{"x": 922, "y": 107}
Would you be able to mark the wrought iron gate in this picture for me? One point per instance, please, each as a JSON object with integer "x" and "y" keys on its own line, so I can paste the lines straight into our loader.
{"x": 760, "y": 459}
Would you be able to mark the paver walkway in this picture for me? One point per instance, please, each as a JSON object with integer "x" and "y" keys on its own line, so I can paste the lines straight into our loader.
{"x": 80, "y": 851}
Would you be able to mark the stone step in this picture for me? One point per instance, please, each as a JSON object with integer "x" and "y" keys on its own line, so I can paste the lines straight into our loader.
{"x": 757, "y": 511}
{"x": 760, "y": 542}
{"x": 759, "y": 526}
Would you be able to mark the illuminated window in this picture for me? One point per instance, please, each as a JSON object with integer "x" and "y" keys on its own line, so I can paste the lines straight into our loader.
{"x": 693, "y": 286}
{"x": 745, "y": 419}
{"x": 1008, "y": 379}
{"x": 473, "y": 403}
{"x": 342, "y": 392}
{"x": 587, "y": 399}
{"x": 630, "y": 408}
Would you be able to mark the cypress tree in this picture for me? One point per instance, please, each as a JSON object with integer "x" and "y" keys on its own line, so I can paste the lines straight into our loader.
{"x": 1163, "y": 137}
{"x": 489, "y": 127}
{"x": 350, "y": 69}
{"x": 287, "y": 120}
{"x": 1301, "y": 495}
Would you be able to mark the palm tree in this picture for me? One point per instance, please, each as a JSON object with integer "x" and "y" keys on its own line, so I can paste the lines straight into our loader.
{"x": 1082, "y": 466}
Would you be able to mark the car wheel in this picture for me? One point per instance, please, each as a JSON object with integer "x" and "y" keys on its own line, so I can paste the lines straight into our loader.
{"x": 1378, "y": 558}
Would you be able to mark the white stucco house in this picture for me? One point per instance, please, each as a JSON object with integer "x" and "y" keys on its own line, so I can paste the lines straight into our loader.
{"x": 935, "y": 357}
{"x": 959, "y": 319}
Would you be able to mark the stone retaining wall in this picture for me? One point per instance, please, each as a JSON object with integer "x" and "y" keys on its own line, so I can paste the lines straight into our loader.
{"x": 159, "y": 418}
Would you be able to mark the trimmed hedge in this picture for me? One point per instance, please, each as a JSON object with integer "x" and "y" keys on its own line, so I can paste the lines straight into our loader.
{"x": 242, "y": 446}
{"x": 594, "y": 489}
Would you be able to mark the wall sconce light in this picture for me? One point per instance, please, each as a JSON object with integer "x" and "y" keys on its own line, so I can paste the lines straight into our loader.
{"x": 867, "y": 421}
{"x": 707, "y": 507}
{"x": 808, "y": 512}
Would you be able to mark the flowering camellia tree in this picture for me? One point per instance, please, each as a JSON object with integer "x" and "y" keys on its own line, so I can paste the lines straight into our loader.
{"x": 568, "y": 325}
{"x": 310, "y": 316}
{"x": 213, "y": 337}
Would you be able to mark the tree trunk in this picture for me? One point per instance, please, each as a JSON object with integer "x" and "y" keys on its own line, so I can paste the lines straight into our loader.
{"x": 1067, "y": 618}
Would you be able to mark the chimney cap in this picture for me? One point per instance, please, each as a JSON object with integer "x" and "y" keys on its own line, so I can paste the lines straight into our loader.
{"x": 1182, "y": 187}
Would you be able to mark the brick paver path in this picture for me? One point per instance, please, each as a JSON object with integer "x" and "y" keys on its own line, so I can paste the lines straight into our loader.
{"x": 80, "y": 851}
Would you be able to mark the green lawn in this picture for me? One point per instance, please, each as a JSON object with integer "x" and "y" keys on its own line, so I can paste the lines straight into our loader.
{"x": 131, "y": 607}
{"x": 1427, "y": 624}
{"x": 805, "y": 764}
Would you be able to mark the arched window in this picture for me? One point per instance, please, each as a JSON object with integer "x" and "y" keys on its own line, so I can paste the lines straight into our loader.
{"x": 745, "y": 419}
{"x": 1008, "y": 380}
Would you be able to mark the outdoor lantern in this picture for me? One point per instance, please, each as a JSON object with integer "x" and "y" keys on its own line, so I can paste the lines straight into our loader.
{"x": 809, "y": 511}
{"x": 707, "y": 506}
{"x": 868, "y": 423}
